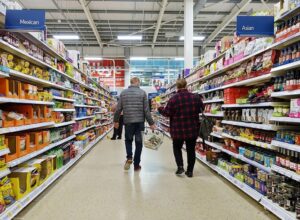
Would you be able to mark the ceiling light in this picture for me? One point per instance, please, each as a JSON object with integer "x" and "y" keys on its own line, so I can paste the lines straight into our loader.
{"x": 178, "y": 58}
{"x": 93, "y": 58}
{"x": 130, "y": 37}
{"x": 66, "y": 37}
{"x": 195, "y": 38}
{"x": 138, "y": 58}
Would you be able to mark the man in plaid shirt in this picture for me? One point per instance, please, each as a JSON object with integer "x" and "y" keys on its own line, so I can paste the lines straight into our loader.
{"x": 183, "y": 109}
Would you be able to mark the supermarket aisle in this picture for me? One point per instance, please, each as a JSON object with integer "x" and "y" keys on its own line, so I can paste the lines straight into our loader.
{"x": 98, "y": 188}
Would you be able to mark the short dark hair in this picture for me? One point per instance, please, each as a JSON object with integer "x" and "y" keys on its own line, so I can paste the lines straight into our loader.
{"x": 181, "y": 83}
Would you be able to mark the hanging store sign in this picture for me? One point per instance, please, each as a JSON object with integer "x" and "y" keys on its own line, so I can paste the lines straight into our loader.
{"x": 252, "y": 26}
{"x": 28, "y": 20}
{"x": 114, "y": 93}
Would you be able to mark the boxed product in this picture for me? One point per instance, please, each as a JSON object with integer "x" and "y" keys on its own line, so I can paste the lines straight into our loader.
{"x": 295, "y": 108}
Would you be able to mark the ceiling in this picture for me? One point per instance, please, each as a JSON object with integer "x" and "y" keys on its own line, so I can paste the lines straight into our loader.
{"x": 123, "y": 17}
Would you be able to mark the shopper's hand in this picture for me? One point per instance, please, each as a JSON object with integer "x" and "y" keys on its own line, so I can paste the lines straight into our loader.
{"x": 116, "y": 125}
{"x": 153, "y": 127}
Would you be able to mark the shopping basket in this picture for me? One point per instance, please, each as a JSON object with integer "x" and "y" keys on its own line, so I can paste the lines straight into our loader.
{"x": 153, "y": 139}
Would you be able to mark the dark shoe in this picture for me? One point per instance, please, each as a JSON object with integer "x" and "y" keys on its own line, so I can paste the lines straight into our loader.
{"x": 113, "y": 138}
{"x": 179, "y": 171}
{"x": 127, "y": 164}
{"x": 189, "y": 174}
{"x": 137, "y": 168}
{"x": 119, "y": 138}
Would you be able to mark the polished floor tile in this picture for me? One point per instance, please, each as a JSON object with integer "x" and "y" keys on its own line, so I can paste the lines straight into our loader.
{"x": 98, "y": 188}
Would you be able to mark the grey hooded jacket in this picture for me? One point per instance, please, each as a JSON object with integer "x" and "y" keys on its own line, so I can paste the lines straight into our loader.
{"x": 134, "y": 104}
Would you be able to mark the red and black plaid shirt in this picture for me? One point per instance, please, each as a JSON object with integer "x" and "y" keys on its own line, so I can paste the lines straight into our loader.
{"x": 183, "y": 109}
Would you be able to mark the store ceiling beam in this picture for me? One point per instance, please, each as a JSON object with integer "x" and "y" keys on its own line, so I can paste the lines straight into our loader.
{"x": 234, "y": 12}
{"x": 91, "y": 21}
{"x": 163, "y": 7}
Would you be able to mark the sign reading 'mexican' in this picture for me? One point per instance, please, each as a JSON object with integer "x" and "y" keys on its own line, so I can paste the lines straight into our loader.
{"x": 25, "y": 20}
{"x": 255, "y": 26}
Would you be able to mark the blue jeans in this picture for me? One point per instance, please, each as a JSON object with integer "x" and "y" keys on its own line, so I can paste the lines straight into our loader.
{"x": 134, "y": 130}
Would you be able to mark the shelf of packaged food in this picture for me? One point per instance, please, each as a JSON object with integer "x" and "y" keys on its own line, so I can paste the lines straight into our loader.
{"x": 287, "y": 146}
{"x": 77, "y": 92}
{"x": 208, "y": 91}
{"x": 103, "y": 124}
{"x": 100, "y": 112}
{"x": 287, "y": 14}
{"x": 63, "y": 99}
{"x": 213, "y": 101}
{"x": 254, "y": 105}
{"x": 24, "y": 101}
{"x": 84, "y": 129}
{"x": 277, "y": 210}
{"x": 36, "y": 80}
{"x": 4, "y": 172}
{"x": 4, "y": 151}
{"x": 86, "y": 106}
{"x": 284, "y": 68}
{"x": 286, "y": 172}
{"x": 163, "y": 123}
{"x": 245, "y": 140}
{"x": 36, "y": 153}
{"x": 251, "y": 81}
{"x": 219, "y": 114}
{"x": 240, "y": 185}
{"x": 25, "y": 127}
{"x": 287, "y": 41}
{"x": 238, "y": 156}
{"x": 95, "y": 99}
{"x": 266, "y": 127}
{"x": 64, "y": 124}
{"x": 3, "y": 74}
{"x": 286, "y": 94}
{"x": 286, "y": 120}
{"x": 63, "y": 109}
{"x": 83, "y": 118}
{"x": 216, "y": 135}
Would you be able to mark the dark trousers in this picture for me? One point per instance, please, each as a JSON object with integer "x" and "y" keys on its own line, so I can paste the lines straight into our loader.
{"x": 118, "y": 132}
{"x": 190, "y": 149}
{"x": 134, "y": 130}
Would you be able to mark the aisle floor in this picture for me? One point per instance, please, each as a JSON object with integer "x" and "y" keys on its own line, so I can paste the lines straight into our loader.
{"x": 98, "y": 188}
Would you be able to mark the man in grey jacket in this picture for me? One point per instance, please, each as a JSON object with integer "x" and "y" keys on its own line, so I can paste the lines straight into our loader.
{"x": 134, "y": 104}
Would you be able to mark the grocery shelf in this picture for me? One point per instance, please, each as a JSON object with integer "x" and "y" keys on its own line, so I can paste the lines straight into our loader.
{"x": 24, "y": 101}
{"x": 254, "y": 105}
{"x": 286, "y": 172}
{"x": 36, "y": 80}
{"x": 36, "y": 153}
{"x": 63, "y": 110}
{"x": 219, "y": 114}
{"x": 285, "y": 120}
{"x": 3, "y": 74}
{"x": 80, "y": 93}
{"x": 4, "y": 172}
{"x": 25, "y": 127}
{"x": 211, "y": 90}
{"x": 4, "y": 151}
{"x": 63, "y": 99}
{"x": 163, "y": 123}
{"x": 277, "y": 210}
{"x": 84, "y": 129}
{"x": 266, "y": 127}
{"x": 287, "y": 14}
{"x": 287, "y": 41}
{"x": 285, "y": 67}
{"x": 251, "y": 81}
{"x": 100, "y": 112}
{"x": 64, "y": 124}
{"x": 213, "y": 101}
{"x": 286, "y": 94}
{"x": 245, "y": 140}
{"x": 85, "y": 117}
{"x": 216, "y": 135}
{"x": 95, "y": 99}
{"x": 86, "y": 106}
{"x": 287, "y": 146}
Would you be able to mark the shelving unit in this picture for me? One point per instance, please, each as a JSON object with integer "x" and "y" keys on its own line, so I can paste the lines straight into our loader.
{"x": 64, "y": 124}
{"x": 63, "y": 99}
{"x": 213, "y": 101}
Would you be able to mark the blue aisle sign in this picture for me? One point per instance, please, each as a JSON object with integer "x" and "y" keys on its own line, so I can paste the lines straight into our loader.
{"x": 152, "y": 95}
{"x": 114, "y": 93}
{"x": 255, "y": 26}
{"x": 29, "y": 20}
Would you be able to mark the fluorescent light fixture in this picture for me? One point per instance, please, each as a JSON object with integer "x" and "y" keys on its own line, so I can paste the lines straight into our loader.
{"x": 93, "y": 58}
{"x": 178, "y": 58}
{"x": 195, "y": 38}
{"x": 66, "y": 37}
{"x": 138, "y": 58}
{"x": 130, "y": 37}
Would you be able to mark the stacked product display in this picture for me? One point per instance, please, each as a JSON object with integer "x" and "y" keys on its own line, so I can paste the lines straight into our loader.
{"x": 250, "y": 88}
{"x": 52, "y": 113}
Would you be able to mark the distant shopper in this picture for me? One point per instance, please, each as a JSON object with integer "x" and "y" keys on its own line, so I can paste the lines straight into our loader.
{"x": 118, "y": 131}
{"x": 183, "y": 109}
{"x": 134, "y": 104}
